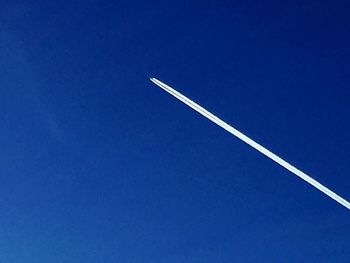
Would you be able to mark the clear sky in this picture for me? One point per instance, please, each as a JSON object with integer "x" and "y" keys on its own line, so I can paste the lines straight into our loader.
{"x": 97, "y": 164}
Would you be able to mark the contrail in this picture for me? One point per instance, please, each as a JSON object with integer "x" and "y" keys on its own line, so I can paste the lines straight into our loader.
{"x": 252, "y": 143}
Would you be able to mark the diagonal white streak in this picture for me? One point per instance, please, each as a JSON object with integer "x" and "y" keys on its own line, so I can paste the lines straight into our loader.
{"x": 252, "y": 143}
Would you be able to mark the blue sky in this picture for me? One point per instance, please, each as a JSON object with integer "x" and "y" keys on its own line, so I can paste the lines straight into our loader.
{"x": 97, "y": 164}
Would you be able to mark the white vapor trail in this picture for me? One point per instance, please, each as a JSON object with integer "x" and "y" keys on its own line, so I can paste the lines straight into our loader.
{"x": 252, "y": 143}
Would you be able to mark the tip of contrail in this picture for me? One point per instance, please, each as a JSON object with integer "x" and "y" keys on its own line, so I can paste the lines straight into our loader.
{"x": 155, "y": 81}
{"x": 161, "y": 85}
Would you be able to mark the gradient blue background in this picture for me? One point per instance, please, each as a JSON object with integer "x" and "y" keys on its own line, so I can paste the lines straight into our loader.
{"x": 97, "y": 164}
